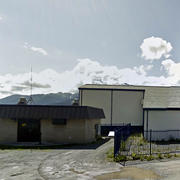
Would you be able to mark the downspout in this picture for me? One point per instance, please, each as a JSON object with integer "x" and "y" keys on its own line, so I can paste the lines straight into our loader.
{"x": 111, "y": 105}
{"x": 143, "y": 122}
{"x": 147, "y": 119}
{"x": 143, "y": 111}
{"x": 80, "y": 96}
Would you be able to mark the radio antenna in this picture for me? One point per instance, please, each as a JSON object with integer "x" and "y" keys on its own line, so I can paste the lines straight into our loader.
{"x": 30, "y": 101}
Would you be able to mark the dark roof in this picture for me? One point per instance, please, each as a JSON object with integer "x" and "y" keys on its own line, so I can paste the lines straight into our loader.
{"x": 50, "y": 112}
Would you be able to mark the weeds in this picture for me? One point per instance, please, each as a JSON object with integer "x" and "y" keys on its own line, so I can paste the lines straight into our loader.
{"x": 120, "y": 158}
{"x": 150, "y": 158}
{"x": 138, "y": 148}
{"x": 168, "y": 155}
{"x": 160, "y": 156}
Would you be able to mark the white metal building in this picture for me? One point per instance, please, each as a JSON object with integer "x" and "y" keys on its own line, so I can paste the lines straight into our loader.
{"x": 153, "y": 107}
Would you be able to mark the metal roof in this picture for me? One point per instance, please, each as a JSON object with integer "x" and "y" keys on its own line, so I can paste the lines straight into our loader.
{"x": 154, "y": 96}
{"x": 105, "y": 86}
{"x": 50, "y": 112}
{"x": 165, "y": 97}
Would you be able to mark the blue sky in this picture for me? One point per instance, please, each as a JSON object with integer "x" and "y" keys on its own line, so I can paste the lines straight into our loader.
{"x": 58, "y": 37}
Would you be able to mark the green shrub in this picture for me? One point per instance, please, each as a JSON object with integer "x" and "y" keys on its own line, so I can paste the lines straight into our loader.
{"x": 123, "y": 146}
{"x": 150, "y": 158}
{"x": 137, "y": 135}
{"x": 160, "y": 156}
{"x": 120, "y": 158}
{"x": 142, "y": 157}
{"x": 168, "y": 155}
{"x": 145, "y": 156}
{"x": 110, "y": 155}
{"x": 177, "y": 155}
{"x": 135, "y": 156}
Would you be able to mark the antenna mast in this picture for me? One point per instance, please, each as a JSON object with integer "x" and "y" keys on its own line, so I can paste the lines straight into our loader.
{"x": 30, "y": 101}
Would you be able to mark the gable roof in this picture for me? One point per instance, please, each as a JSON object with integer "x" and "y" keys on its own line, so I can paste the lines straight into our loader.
{"x": 154, "y": 96}
{"x": 50, "y": 112}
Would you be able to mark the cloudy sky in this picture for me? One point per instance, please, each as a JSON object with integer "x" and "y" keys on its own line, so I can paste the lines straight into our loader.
{"x": 72, "y": 42}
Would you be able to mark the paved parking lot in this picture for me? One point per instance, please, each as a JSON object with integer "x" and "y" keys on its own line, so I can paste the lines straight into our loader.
{"x": 55, "y": 164}
{"x": 74, "y": 163}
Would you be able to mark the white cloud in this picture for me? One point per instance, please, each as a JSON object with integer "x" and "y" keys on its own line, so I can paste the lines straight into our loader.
{"x": 1, "y": 18}
{"x": 85, "y": 71}
{"x": 36, "y": 49}
{"x": 143, "y": 69}
{"x": 173, "y": 71}
{"x": 39, "y": 50}
{"x": 155, "y": 48}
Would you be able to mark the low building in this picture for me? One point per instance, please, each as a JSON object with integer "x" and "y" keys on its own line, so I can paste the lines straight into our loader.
{"x": 48, "y": 124}
{"x": 154, "y": 108}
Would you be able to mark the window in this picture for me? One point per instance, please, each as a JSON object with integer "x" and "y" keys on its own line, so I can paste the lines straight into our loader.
{"x": 59, "y": 121}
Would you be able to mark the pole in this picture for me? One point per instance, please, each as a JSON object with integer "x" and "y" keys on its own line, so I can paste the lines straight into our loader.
{"x": 115, "y": 143}
{"x": 150, "y": 141}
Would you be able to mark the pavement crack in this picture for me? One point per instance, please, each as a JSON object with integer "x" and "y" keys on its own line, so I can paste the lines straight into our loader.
{"x": 40, "y": 167}
{"x": 17, "y": 174}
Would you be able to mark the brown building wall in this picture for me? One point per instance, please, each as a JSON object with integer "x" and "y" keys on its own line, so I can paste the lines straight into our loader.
{"x": 75, "y": 131}
{"x": 90, "y": 131}
{"x": 8, "y": 131}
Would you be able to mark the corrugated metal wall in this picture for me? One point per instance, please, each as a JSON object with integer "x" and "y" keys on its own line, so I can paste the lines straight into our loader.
{"x": 127, "y": 107}
{"x": 163, "y": 120}
{"x": 97, "y": 98}
{"x": 119, "y": 106}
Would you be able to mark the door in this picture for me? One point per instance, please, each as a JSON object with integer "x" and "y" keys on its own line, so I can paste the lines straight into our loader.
{"x": 29, "y": 130}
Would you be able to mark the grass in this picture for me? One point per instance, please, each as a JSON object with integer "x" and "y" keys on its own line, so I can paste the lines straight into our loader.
{"x": 110, "y": 154}
{"x": 177, "y": 155}
{"x": 160, "y": 156}
{"x": 133, "y": 157}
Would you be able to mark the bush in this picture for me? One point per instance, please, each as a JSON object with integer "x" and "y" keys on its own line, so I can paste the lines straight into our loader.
{"x": 135, "y": 156}
{"x": 177, "y": 155}
{"x": 142, "y": 157}
{"x": 168, "y": 155}
{"x": 120, "y": 158}
{"x": 160, "y": 156}
{"x": 123, "y": 146}
{"x": 150, "y": 158}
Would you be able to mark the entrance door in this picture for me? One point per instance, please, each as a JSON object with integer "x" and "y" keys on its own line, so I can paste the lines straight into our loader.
{"x": 29, "y": 130}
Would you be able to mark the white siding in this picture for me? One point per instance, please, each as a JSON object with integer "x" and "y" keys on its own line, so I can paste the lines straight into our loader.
{"x": 164, "y": 120}
{"x": 127, "y": 107}
{"x": 99, "y": 99}
{"x": 164, "y": 123}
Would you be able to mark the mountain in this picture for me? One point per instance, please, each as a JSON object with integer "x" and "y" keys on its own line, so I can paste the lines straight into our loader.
{"x": 43, "y": 99}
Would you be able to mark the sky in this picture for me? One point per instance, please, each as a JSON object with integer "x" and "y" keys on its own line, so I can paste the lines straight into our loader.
{"x": 69, "y": 43}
